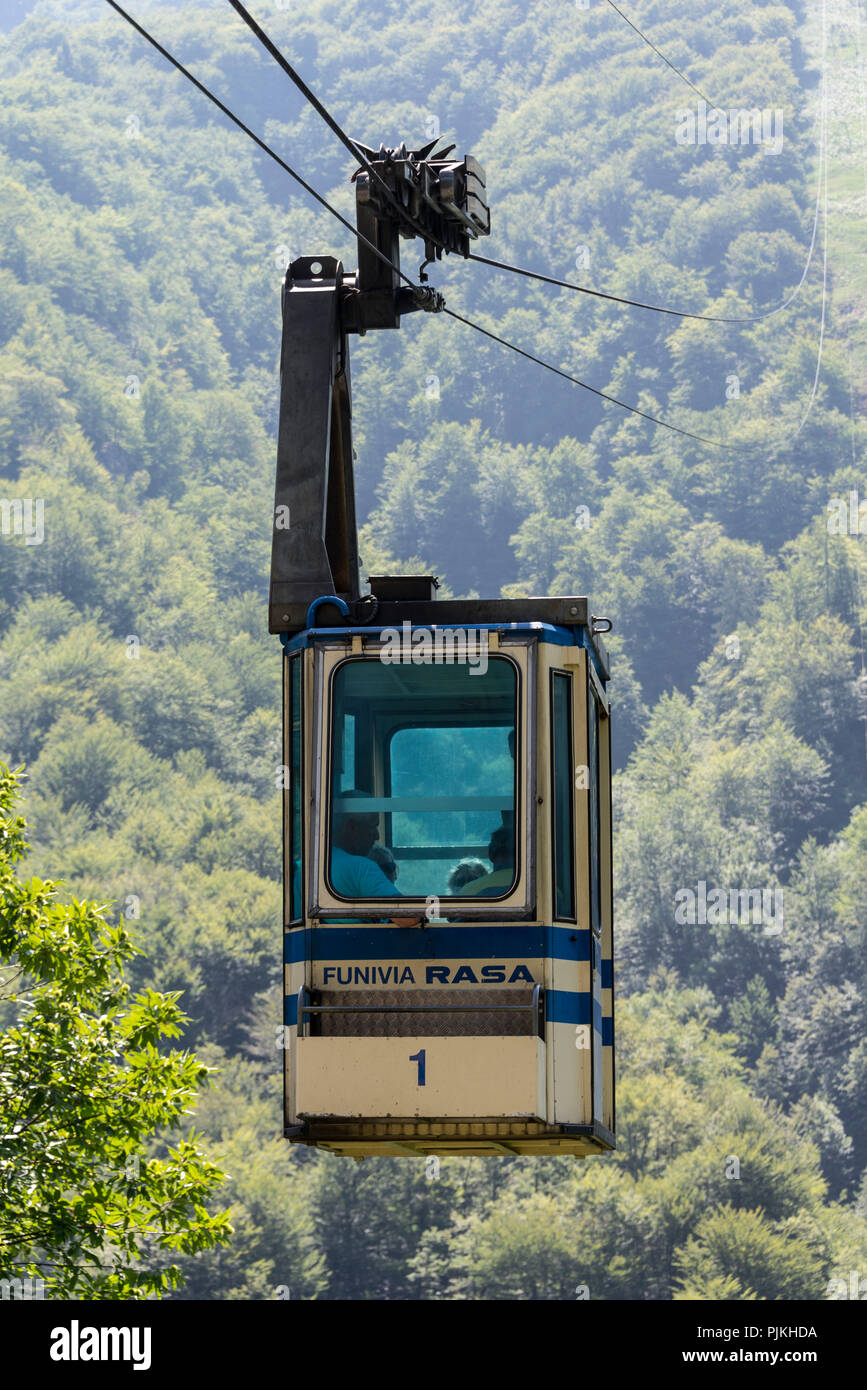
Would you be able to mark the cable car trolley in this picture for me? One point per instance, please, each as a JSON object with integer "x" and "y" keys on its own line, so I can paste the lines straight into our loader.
{"x": 447, "y": 787}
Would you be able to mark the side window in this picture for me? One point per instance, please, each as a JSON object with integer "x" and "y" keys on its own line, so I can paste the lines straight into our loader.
{"x": 295, "y": 850}
{"x": 593, "y": 792}
{"x": 562, "y": 774}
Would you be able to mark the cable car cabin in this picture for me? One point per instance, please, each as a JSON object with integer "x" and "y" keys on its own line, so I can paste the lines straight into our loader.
{"x": 448, "y": 909}
{"x": 447, "y": 812}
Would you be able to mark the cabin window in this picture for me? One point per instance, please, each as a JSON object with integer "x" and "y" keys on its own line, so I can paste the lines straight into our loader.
{"x": 562, "y": 775}
{"x": 424, "y": 780}
{"x": 593, "y": 793}
{"x": 296, "y": 783}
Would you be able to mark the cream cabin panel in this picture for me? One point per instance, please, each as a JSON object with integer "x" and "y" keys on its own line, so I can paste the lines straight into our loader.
{"x": 463, "y": 1077}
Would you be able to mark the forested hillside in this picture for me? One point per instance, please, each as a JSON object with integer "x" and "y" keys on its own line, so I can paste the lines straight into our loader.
{"x": 142, "y": 244}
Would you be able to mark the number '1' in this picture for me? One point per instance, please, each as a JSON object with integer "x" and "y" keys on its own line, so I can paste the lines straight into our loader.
{"x": 419, "y": 1057}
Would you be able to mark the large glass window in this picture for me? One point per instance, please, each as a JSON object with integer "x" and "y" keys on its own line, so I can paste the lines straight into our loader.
{"x": 564, "y": 802}
{"x": 423, "y": 780}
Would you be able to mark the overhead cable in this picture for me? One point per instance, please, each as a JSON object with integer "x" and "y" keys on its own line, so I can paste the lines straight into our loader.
{"x": 329, "y": 120}
{"x": 261, "y": 143}
{"x": 654, "y": 419}
{"x": 660, "y": 54}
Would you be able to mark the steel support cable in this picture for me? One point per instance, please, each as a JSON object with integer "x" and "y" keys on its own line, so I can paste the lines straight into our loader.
{"x": 676, "y": 429}
{"x": 858, "y": 582}
{"x": 654, "y": 419}
{"x": 823, "y": 163}
{"x": 357, "y": 154}
{"x": 328, "y": 118}
{"x": 658, "y": 308}
{"x": 714, "y": 443}
{"x": 659, "y": 53}
{"x": 261, "y": 143}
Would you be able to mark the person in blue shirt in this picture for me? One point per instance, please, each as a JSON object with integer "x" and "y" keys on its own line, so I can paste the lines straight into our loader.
{"x": 382, "y": 855}
{"x": 353, "y": 874}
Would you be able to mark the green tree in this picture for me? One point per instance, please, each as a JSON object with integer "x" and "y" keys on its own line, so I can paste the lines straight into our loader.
{"x": 85, "y": 1085}
{"x": 754, "y": 1258}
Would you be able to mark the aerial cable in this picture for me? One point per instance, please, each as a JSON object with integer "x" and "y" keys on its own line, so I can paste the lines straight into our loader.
{"x": 716, "y": 443}
{"x": 299, "y": 82}
{"x": 620, "y": 299}
{"x": 654, "y": 419}
{"x": 267, "y": 149}
{"x": 329, "y": 120}
{"x": 261, "y": 143}
{"x": 358, "y": 154}
{"x": 664, "y": 424}
{"x": 659, "y": 308}
{"x": 823, "y": 165}
{"x": 661, "y": 55}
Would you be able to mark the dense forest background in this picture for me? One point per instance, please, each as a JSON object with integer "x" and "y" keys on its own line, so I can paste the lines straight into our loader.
{"x": 142, "y": 243}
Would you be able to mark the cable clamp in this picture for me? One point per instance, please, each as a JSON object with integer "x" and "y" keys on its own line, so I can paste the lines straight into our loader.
{"x": 429, "y": 299}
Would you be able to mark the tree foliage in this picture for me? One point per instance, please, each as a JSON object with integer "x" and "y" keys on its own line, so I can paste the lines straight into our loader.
{"x": 86, "y": 1082}
{"x": 142, "y": 245}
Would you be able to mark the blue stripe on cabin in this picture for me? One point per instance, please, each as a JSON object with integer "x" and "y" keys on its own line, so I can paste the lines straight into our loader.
{"x": 567, "y": 943}
{"x": 607, "y": 974}
{"x": 608, "y": 1032}
{"x": 363, "y": 942}
{"x": 567, "y": 1006}
{"x": 544, "y": 632}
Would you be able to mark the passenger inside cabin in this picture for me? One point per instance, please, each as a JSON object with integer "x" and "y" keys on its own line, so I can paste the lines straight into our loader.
{"x": 466, "y": 872}
{"x": 501, "y": 852}
{"x": 353, "y": 873}
{"x": 382, "y": 855}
